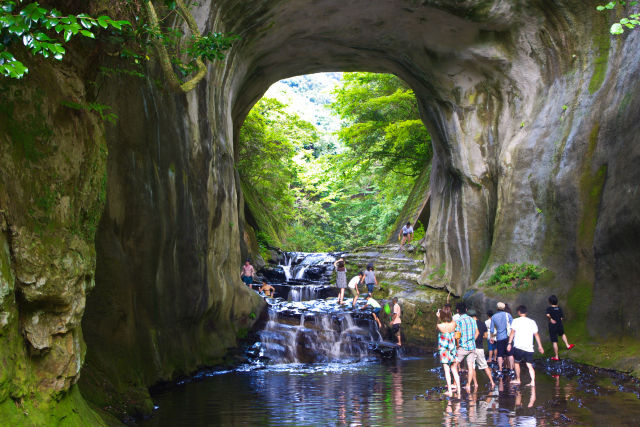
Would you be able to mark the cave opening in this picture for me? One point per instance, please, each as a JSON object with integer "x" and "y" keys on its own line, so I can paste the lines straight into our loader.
{"x": 334, "y": 161}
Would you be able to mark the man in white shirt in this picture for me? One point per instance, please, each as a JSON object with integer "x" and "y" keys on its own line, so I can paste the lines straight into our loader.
{"x": 523, "y": 330}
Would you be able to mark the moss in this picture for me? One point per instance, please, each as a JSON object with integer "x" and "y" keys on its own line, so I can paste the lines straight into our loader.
{"x": 70, "y": 410}
{"x": 602, "y": 44}
{"x": 591, "y": 185}
{"x": 578, "y": 301}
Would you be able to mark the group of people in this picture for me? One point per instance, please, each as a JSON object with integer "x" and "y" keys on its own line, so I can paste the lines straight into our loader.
{"x": 511, "y": 342}
{"x": 247, "y": 278}
{"x": 367, "y": 278}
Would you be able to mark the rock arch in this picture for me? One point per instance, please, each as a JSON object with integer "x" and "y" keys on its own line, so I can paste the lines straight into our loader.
{"x": 533, "y": 110}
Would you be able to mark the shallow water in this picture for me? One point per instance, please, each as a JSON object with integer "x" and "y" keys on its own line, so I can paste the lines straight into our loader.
{"x": 405, "y": 392}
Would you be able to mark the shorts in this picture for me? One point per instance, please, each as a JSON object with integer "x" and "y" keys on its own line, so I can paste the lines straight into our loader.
{"x": 405, "y": 234}
{"x": 502, "y": 348}
{"x": 247, "y": 279}
{"x": 370, "y": 287}
{"x": 555, "y": 331}
{"x": 481, "y": 361}
{"x": 522, "y": 356}
{"x": 354, "y": 291}
{"x": 492, "y": 346}
{"x": 376, "y": 310}
{"x": 469, "y": 354}
{"x": 395, "y": 329}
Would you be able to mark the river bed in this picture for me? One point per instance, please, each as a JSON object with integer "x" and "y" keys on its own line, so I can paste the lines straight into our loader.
{"x": 384, "y": 393}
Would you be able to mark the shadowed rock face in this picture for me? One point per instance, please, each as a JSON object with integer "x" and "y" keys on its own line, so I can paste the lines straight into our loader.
{"x": 516, "y": 176}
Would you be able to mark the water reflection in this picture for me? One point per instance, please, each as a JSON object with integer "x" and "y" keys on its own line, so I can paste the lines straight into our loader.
{"x": 374, "y": 393}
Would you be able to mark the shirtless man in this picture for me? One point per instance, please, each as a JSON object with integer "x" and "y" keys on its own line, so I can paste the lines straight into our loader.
{"x": 247, "y": 274}
{"x": 268, "y": 290}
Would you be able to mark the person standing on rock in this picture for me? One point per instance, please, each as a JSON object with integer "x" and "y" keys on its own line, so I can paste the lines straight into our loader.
{"x": 523, "y": 330}
{"x": 447, "y": 347}
{"x": 353, "y": 287}
{"x": 247, "y": 274}
{"x": 341, "y": 278}
{"x": 396, "y": 321}
{"x": 500, "y": 323}
{"x": 481, "y": 361}
{"x": 370, "y": 278}
{"x": 406, "y": 234}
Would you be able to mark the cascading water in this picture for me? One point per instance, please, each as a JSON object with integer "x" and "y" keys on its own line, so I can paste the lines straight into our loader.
{"x": 306, "y": 325}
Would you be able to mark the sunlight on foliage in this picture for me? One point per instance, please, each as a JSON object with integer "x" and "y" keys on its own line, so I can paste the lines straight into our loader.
{"x": 630, "y": 22}
{"x": 336, "y": 195}
{"x": 42, "y": 31}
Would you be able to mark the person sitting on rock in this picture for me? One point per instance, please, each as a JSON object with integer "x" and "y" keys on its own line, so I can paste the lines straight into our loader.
{"x": 268, "y": 290}
{"x": 375, "y": 305}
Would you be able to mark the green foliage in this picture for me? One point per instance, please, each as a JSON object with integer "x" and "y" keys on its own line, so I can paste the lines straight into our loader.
{"x": 42, "y": 31}
{"x": 327, "y": 196}
{"x": 630, "y": 22}
{"x": 418, "y": 232}
{"x": 211, "y": 46}
{"x": 514, "y": 277}
{"x": 382, "y": 125}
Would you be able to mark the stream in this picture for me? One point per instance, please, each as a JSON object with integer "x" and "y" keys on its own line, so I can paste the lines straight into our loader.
{"x": 316, "y": 363}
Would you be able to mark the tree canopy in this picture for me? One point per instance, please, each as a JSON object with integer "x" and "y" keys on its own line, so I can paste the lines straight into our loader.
{"x": 334, "y": 196}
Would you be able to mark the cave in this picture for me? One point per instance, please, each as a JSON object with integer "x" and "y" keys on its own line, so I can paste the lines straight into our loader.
{"x": 532, "y": 109}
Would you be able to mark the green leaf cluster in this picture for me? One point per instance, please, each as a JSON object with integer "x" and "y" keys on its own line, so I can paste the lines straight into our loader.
{"x": 514, "y": 277}
{"x": 630, "y": 22}
{"x": 42, "y": 31}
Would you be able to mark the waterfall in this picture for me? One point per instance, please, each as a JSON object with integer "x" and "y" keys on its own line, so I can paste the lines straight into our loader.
{"x": 316, "y": 337}
{"x": 300, "y": 274}
{"x": 286, "y": 267}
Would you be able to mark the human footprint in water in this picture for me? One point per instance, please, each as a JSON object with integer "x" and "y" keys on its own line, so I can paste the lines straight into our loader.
{"x": 447, "y": 347}
{"x": 523, "y": 330}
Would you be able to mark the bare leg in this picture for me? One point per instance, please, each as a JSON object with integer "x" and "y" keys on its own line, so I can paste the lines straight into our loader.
{"x": 532, "y": 374}
{"x": 517, "y": 380}
{"x": 566, "y": 341}
{"x": 377, "y": 320}
{"x": 474, "y": 379}
{"x": 488, "y": 372}
{"x": 447, "y": 376}
{"x": 355, "y": 298}
{"x": 500, "y": 363}
{"x": 512, "y": 362}
{"x": 471, "y": 375}
{"x": 456, "y": 376}
{"x": 555, "y": 349}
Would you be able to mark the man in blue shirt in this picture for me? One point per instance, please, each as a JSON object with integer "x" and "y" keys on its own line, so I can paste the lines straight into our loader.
{"x": 468, "y": 330}
{"x": 500, "y": 325}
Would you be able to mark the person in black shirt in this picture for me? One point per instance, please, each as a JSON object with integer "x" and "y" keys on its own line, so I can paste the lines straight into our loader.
{"x": 480, "y": 359}
{"x": 555, "y": 316}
